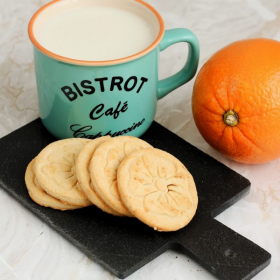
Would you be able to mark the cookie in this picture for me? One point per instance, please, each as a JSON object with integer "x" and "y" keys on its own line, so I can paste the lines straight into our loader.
{"x": 104, "y": 165}
{"x": 55, "y": 170}
{"x": 38, "y": 195}
{"x": 157, "y": 189}
{"x": 83, "y": 174}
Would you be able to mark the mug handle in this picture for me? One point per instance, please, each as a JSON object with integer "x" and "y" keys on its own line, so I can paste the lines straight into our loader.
{"x": 171, "y": 37}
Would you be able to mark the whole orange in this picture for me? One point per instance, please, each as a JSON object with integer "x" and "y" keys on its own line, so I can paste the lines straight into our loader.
{"x": 236, "y": 101}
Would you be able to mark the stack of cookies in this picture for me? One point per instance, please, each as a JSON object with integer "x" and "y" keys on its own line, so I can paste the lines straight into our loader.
{"x": 123, "y": 176}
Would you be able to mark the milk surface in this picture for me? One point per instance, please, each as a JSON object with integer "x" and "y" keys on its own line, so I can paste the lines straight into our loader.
{"x": 96, "y": 33}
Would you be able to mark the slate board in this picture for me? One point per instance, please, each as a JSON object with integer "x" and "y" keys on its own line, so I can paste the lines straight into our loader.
{"x": 123, "y": 245}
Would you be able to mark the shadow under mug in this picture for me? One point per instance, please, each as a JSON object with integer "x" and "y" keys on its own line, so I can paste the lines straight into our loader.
{"x": 89, "y": 99}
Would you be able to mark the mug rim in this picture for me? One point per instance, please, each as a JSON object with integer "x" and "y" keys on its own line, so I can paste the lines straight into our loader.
{"x": 95, "y": 63}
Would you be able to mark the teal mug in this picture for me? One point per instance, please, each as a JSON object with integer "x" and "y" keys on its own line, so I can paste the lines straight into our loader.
{"x": 89, "y": 99}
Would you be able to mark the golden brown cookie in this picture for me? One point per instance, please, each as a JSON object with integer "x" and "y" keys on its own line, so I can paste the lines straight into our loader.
{"x": 83, "y": 174}
{"x": 39, "y": 196}
{"x": 104, "y": 165}
{"x": 157, "y": 189}
{"x": 55, "y": 170}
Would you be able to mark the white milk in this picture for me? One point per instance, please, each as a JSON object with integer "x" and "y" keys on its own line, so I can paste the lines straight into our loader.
{"x": 97, "y": 33}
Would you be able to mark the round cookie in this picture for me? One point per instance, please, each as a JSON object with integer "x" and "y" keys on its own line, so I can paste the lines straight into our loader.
{"x": 157, "y": 189}
{"x": 83, "y": 174}
{"x": 39, "y": 196}
{"x": 104, "y": 165}
{"x": 55, "y": 170}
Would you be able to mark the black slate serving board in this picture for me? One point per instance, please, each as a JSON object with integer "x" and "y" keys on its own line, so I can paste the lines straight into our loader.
{"x": 123, "y": 245}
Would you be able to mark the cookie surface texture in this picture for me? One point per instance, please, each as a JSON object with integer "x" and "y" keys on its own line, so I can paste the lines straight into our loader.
{"x": 83, "y": 174}
{"x": 55, "y": 170}
{"x": 104, "y": 165}
{"x": 38, "y": 195}
{"x": 157, "y": 189}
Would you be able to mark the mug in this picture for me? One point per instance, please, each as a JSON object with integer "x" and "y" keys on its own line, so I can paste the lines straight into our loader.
{"x": 90, "y": 99}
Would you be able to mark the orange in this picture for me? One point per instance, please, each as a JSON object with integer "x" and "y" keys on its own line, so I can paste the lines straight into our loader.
{"x": 236, "y": 101}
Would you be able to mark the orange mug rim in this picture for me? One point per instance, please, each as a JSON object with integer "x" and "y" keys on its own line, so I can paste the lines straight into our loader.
{"x": 88, "y": 62}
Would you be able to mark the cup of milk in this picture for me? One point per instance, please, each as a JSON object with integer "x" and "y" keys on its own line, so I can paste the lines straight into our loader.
{"x": 96, "y": 64}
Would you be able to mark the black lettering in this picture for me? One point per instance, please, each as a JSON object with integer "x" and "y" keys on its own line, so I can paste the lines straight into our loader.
{"x": 101, "y": 82}
{"x": 109, "y": 112}
{"x": 116, "y": 81}
{"x": 69, "y": 93}
{"x": 84, "y": 85}
{"x": 124, "y": 107}
{"x": 96, "y": 110}
{"x": 117, "y": 112}
{"x": 78, "y": 132}
{"x": 123, "y": 131}
{"x": 144, "y": 80}
{"x": 131, "y": 128}
{"x": 77, "y": 89}
{"x": 126, "y": 88}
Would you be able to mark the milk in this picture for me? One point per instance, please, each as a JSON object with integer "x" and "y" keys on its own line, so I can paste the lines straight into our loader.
{"x": 97, "y": 33}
